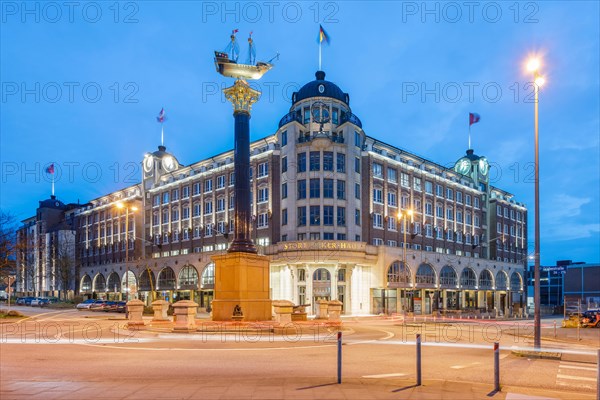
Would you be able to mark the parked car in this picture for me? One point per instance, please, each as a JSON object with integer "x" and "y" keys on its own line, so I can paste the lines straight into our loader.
{"x": 109, "y": 306}
{"x": 86, "y": 304}
{"x": 43, "y": 301}
{"x": 28, "y": 300}
{"x": 97, "y": 305}
{"x": 121, "y": 306}
{"x": 21, "y": 300}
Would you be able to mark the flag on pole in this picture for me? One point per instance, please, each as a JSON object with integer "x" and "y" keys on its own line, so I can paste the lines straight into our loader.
{"x": 50, "y": 169}
{"x": 323, "y": 36}
{"x": 473, "y": 118}
{"x": 161, "y": 116}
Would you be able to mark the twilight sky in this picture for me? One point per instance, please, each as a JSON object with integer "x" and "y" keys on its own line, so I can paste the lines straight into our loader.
{"x": 83, "y": 83}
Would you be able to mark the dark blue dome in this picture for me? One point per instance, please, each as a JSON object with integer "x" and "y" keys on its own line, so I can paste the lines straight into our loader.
{"x": 320, "y": 88}
{"x": 52, "y": 202}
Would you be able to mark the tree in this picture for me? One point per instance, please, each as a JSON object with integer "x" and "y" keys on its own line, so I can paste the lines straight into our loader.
{"x": 8, "y": 244}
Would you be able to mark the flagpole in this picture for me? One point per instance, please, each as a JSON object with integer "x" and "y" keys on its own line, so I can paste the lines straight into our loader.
{"x": 53, "y": 184}
{"x": 320, "y": 42}
{"x": 469, "y": 137}
{"x": 162, "y": 134}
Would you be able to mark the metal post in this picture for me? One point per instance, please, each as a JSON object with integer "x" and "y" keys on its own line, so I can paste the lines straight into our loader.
{"x": 496, "y": 367}
{"x": 578, "y": 319}
{"x": 127, "y": 260}
{"x": 598, "y": 376}
{"x": 554, "y": 328}
{"x": 418, "y": 359}
{"x": 536, "y": 272}
{"x": 339, "y": 357}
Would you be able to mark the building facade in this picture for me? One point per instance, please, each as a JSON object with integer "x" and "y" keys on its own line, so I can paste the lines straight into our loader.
{"x": 340, "y": 214}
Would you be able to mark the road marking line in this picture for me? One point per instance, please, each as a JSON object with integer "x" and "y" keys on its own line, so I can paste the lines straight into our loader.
{"x": 383, "y": 376}
{"x": 579, "y": 378}
{"x": 465, "y": 366}
{"x": 579, "y": 385}
{"x": 576, "y": 367}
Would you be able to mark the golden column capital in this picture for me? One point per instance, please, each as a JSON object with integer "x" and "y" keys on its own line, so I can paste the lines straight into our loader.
{"x": 241, "y": 96}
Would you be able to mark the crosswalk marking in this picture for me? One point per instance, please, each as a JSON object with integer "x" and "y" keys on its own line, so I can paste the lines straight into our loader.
{"x": 383, "y": 376}
{"x": 574, "y": 374}
{"x": 577, "y": 367}
{"x": 579, "y": 378}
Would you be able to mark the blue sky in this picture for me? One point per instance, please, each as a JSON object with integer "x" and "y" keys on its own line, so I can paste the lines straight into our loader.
{"x": 81, "y": 87}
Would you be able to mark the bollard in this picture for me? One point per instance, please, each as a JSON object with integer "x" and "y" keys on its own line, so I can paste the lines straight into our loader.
{"x": 418, "y": 359}
{"x": 598, "y": 376}
{"x": 554, "y": 328}
{"x": 496, "y": 367}
{"x": 339, "y": 360}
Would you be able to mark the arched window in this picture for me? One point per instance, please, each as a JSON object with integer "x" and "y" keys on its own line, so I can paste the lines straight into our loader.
{"x": 425, "y": 275}
{"x": 86, "y": 283}
{"x": 486, "y": 281}
{"x": 129, "y": 282}
{"x": 468, "y": 279}
{"x": 114, "y": 284}
{"x": 147, "y": 281}
{"x": 99, "y": 283}
{"x": 208, "y": 277}
{"x": 448, "y": 277}
{"x": 188, "y": 278}
{"x": 166, "y": 279}
{"x": 398, "y": 273}
{"x": 321, "y": 275}
{"x": 516, "y": 282}
{"x": 501, "y": 281}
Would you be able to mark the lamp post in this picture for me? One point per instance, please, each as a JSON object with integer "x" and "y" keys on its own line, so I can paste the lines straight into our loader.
{"x": 127, "y": 207}
{"x": 404, "y": 216}
{"x": 533, "y": 66}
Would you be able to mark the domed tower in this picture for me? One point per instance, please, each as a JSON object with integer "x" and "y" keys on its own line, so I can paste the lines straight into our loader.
{"x": 475, "y": 167}
{"x": 156, "y": 165}
{"x": 321, "y": 142}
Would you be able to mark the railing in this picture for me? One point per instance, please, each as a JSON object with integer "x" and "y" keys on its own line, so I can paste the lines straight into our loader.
{"x": 308, "y": 137}
{"x": 290, "y": 117}
{"x": 349, "y": 117}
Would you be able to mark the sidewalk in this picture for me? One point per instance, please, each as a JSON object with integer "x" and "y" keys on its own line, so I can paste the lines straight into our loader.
{"x": 290, "y": 388}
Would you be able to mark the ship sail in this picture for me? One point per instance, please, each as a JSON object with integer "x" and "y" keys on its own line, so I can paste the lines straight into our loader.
{"x": 251, "y": 60}
{"x": 227, "y": 64}
{"x": 233, "y": 48}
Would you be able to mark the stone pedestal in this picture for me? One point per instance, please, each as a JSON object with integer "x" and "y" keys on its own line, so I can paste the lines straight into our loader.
{"x": 322, "y": 307}
{"x": 283, "y": 311}
{"x": 241, "y": 279}
{"x": 135, "y": 309}
{"x": 335, "y": 310}
{"x": 160, "y": 308}
{"x": 184, "y": 313}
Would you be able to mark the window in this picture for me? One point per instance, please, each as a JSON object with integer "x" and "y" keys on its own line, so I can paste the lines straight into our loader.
{"x": 165, "y": 216}
{"x": 377, "y": 170}
{"x": 185, "y": 192}
{"x": 284, "y": 216}
{"x": 357, "y": 217}
{"x": 468, "y": 218}
{"x": 392, "y": 175}
{"x": 505, "y": 212}
{"x": 327, "y": 215}
{"x": 175, "y": 195}
{"x": 459, "y": 197}
{"x": 377, "y": 220}
{"x": 155, "y": 220}
{"x": 459, "y": 216}
{"x": 404, "y": 201}
{"x": 283, "y": 138}
{"x": 340, "y": 162}
{"x": 449, "y": 234}
{"x": 476, "y": 202}
{"x": 417, "y": 184}
{"x": 208, "y": 230}
{"x": 306, "y": 115}
{"x": 499, "y": 227}
{"x": 165, "y": 197}
{"x": 301, "y": 189}
{"x": 377, "y": 242}
{"x": 208, "y": 207}
{"x": 428, "y": 187}
{"x": 196, "y": 210}
{"x": 175, "y": 214}
{"x": 357, "y": 190}
{"x": 156, "y": 201}
{"x": 327, "y": 235}
{"x": 263, "y": 169}
{"x": 439, "y": 190}
{"x": 263, "y": 220}
{"x": 221, "y": 182}
{"x": 377, "y": 196}
{"x": 357, "y": 165}
{"x": 476, "y": 220}
{"x": 231, "y": 201}
{"x": 468, "y": 199}
{"x": 328, "y": 188}
{"x": 208, "y": 185}
{"x": 301, "y": 167}
{"x": 283, "y": 164}
{"x": 315, "y": 215}
{"x": 341, "y": 216}
{"x": 232, "y": 179}
{"x": 284, "y": 190}
{"x": 357, "y": 139}
{"x": 327, "y": 161}
{"x": 315, "y": 188}
{"x": 428, "y": 231}
{"x": 263, "y": 195}
{"x": 221, "y": 204}
{"x": 221, "y": 227}
{"x": 392, "y": 202}
{"x": 315, "y": 160}
{"x": 449, "y": 194}
{"x": 301, "y": 216}
{"x": 498, "y": 210}
{"x": 404, "y": 180}
{"x": 450, "y": 214}
{"x": 341, "y": 236}
{"x": 341, "y": 190}
{"x": 334, "y": 116}
{"x": 392, "y": 223}
{"x": 429, "y": 209}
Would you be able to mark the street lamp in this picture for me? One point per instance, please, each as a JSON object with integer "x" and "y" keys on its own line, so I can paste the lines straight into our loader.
{"x": 403, "y": 215}
{"x": 533, "y": 66}
{"x": 128, "y": 207}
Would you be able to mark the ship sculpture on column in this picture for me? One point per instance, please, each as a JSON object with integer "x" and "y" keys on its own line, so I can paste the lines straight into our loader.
{"x": 241, "y": 276}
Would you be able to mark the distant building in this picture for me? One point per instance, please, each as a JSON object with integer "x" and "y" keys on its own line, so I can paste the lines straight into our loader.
{"x": 582, "y": 282}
